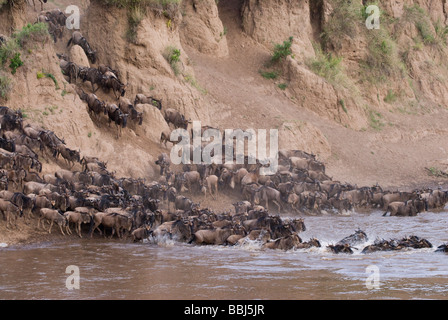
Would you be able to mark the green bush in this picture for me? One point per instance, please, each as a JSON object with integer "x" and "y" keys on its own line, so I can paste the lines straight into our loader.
{"x": 281, "y": 51}
{"x": 172, "y": 55}
{"x": 325, "y": 65}
{"x": 32, "y": 32}
{"x": 15, "y": 62}
{"x": 269, "y": 74}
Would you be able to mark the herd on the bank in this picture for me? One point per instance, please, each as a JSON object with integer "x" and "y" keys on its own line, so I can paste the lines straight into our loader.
{"x": 132, "y": 207}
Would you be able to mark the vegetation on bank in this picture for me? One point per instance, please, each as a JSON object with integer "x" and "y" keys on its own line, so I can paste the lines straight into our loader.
{"x": 137, "y": 10}
{"x": 11, "y": 52}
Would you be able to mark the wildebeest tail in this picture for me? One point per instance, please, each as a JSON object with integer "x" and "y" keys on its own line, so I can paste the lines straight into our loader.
{"x": 69, "y": 42}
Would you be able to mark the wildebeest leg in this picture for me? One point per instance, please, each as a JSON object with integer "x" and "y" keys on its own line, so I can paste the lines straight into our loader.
{"x": 51, "y": 225}
{"x": 278, "y": 205}
{"x": 67, "y": 228}
{"x": 60, "y": 228}
{"x": 79, "y": 229}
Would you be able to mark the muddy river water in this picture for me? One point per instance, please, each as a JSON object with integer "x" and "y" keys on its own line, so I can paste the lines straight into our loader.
{"x": 113, "y": 269}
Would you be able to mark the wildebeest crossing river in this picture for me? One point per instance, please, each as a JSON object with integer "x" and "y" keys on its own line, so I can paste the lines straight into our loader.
{"x": 118, "y": 269}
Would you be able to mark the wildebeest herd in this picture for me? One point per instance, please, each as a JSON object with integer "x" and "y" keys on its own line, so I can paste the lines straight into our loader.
{"x": 95, "y": 201}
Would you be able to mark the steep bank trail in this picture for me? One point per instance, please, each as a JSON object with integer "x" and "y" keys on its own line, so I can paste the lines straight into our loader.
{"x": 394, "y": 156}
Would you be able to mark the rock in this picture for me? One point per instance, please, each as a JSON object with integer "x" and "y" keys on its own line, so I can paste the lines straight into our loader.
{"x": 78, "y": 56}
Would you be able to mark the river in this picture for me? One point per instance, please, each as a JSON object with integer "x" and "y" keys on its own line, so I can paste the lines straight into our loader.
{"x": 115, "y": 269}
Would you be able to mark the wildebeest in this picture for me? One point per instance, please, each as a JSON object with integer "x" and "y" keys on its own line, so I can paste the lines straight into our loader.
{"x": 340, "y": 248}
{"x": 163, "y": 160}
{"x": 215, "y": 236}
{"x": 143, "y": 99}
{"x": 52, "y": 216}
{"x": 95, "y": 105}
{"x": 10, "y": 211}
{"x": 141, "y": 233}
{"x": 285, "y": 243}
{"x": 267, "y": 194}
{"x": 23, "y": 202}
{"x": 113, "y": 83}
{"x": 78, "y": 218}
{"x": 93, "y": 75}
{"x": 357, "y": 238}
{"x": 397, "y": 244}
{"x": 79, "y": 39}
{"x": 71, "y": 156}
{"x": 114, "y": 218}
{"x": 73, "y": 71}
{"x": 211, "y": 183}
{"x": 117, "y": 116}
{"x": 176, "y": 118}
{"x": 408, "y": 208}
{"x": 10, "y": 122}
{"x": 126, "y": 107}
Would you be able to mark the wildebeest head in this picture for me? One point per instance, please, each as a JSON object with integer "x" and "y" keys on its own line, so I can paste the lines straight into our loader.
{"x": 92, "y": 56}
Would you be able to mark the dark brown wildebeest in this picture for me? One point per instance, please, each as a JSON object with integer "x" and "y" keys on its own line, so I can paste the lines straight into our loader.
{"x": 216, "y": 236}
{"x": 183, "y": 203}
{"x": 267, "y": 194}
{"x": 23, "y": 202}
{"x": 114, "y": 218}
{"x": 356, "y": 238}
{"x": 313, "y": 242}
{"x": 126, "y": 107}
{"x": 111, "y": 82}
{"x": 78, "y": 38}
{"x": 71, "y": 156}
{"x": 95, "y": 105}
{"x": 87, "y": 159}
{"x": 49, "y": 139}
{"x": 340, "y": 248}
{"x": 72, "y": 70}
{"x": 143, "y": 99}
{"x": 57, "y": 17}
{"x": 165, "y": 137}
{"x": 141, "y": 233}
{"x": 163, "y": 160}
{"x": 285, "y": 243}
{"x": 171, "y": 194}
{"x": 78, "y": 218}
{"x": 10, "y": 122}
{"x": 54, "y": 29}
{"x": 118, "y": 117}
{"x": 242, "y": 206}
{"x": 408, "y": 208}
{"x": 397, "y": 197}
{"x": 108, "y": 71}
{"x": 176, "y": 118}
{"x": 8, "y": 145}
{"x": 10, "y": 211}
{"x": 92, "y": 75}
{"x": 192, "y": 181}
